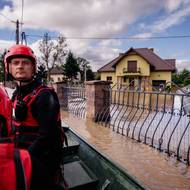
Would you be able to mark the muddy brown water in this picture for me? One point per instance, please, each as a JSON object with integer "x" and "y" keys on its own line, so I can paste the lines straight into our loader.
{"x": 155, "y": 170}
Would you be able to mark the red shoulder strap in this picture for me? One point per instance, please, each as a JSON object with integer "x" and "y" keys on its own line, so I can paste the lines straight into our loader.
{"x": 31, "y": 97}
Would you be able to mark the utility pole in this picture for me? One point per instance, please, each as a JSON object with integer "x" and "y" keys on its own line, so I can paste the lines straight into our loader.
{"x": 17, "y": 32}
{"x": 85, "y": 73}
{"x": 46, "y": 37}
{"x": 23, "y": 38}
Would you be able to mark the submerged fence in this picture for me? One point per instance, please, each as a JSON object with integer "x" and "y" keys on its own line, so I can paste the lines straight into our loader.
{"x": 159, "y": 119}
{"x": 74, "y": 100}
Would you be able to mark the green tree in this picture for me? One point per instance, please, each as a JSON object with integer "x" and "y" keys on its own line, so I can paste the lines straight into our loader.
{"x": 53, "y": 52}
{"x": 42, "y": 73}
{"x": 90, "y": 74}
{"x": 97, "y": 76}
{"x": 71, "y": 67}
{"x": 175, "y": 78}
{"x": 181, "y": 78}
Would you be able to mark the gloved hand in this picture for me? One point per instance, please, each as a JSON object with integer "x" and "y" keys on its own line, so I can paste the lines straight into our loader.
{"x": 21, "y": 110}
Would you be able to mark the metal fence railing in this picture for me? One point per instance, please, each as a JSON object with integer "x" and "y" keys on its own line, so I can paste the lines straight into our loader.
{"x": 159, "y": 119}
{"x": 74, "y": 100}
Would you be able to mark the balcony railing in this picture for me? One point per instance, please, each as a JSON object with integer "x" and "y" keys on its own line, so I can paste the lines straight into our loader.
{"x": 126, "y": 70}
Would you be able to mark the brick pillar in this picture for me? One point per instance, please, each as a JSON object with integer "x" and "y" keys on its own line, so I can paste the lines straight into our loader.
{"x": 62, "y": 93}
{"x": 98, "y": 98}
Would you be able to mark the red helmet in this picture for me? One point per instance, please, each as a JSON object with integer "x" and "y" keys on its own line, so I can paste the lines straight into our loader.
{"x": 19, "y": 51}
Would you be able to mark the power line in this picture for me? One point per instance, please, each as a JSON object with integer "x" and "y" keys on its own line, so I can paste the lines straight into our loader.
{"x": 17, "y": 33}
{"x": 96, "y": 38}
{"x": 22, "y": 13}
{"x": 116, "y": 38}
{"x": 10, "y": 19}
{"x": 39, "y": 36}
{"x": 7, "y": 17}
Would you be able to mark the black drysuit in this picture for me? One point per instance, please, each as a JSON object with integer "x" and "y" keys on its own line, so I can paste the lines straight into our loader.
{"x": 46, "y": 148}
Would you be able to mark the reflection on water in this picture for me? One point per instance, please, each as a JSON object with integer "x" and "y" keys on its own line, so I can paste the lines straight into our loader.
{"x": 158, "y": 119}
{"x": 155, "y": 170}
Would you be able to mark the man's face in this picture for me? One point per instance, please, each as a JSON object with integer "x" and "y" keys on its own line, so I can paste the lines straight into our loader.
{"x": 21, "y": 68}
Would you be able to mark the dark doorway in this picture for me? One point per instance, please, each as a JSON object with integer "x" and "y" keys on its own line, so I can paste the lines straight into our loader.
{"x": 158, "y": 83}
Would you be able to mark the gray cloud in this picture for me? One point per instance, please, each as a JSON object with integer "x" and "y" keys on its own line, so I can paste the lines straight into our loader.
{"x": 95, "y": 18}
{"x": 5, "y": 45}
{"x": 176, "y": 13}
{"x": 181, "y": 64}
{"x": 79, "y": 17}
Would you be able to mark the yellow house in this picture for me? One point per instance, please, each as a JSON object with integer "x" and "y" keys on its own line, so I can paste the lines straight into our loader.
{"x": 138, "y": 67}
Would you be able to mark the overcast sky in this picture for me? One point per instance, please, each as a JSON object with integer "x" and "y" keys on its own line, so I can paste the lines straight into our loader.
{"x": 102, "y": 19}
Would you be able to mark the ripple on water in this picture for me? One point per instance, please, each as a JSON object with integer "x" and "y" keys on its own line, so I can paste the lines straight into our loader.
{"x": 156, "y": 170}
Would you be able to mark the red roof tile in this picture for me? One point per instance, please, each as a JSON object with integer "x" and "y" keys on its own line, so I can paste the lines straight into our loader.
{"x": 154, "y": 60}
{"x": 56, "y": 70}
{"x": 109, "y": 66}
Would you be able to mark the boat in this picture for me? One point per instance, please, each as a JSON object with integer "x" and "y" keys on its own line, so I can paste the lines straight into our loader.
{"x": 86, "y": 168}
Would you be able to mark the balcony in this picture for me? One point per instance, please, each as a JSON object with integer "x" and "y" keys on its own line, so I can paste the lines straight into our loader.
{"x": 133, "y": 71}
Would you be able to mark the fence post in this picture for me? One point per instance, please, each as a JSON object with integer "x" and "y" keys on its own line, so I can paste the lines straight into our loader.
{"x": 65, "y": 96}
{"x": 98, "y": 98}
{"x": 62, "y": 92}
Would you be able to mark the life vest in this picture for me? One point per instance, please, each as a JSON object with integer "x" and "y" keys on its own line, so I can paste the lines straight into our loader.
{"x": 15, "y": 164}
{"x": 5, "y": 113}
{"x": 27, "y": 131}
{"x": 15, "y": 168}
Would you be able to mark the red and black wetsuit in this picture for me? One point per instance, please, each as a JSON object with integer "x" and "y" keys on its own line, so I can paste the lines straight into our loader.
{"x": 40, "y": 132}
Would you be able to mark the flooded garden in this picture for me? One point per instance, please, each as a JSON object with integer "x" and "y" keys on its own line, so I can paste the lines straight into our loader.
{"x": 146, "y": 133}
{"x": 154, "y": 169}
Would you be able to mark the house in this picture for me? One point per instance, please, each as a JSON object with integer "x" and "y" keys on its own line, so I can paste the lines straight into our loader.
{"x": 138, "y": 67}
{"x": 56, "y": 74}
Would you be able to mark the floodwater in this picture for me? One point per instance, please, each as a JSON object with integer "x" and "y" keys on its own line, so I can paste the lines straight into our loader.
{"x": 155, "y": 170}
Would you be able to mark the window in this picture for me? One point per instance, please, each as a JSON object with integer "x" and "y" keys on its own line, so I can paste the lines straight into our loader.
{"x": 158, "y": 83}
{"x": 109, "y": 78}
{"x": 125, "y": 79}
{"x": 132, "y": 66}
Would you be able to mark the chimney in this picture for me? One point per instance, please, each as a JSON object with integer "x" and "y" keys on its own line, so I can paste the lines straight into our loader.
{"x": 152, "y": 49}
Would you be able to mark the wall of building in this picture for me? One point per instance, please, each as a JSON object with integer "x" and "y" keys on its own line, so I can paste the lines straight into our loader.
{"x": 162, "y": 75}
{"x": 104, "y": 75}
{"x": 141, "y": 63}
{"x": 55, "y": 78}
{"x": 145, "y": 72}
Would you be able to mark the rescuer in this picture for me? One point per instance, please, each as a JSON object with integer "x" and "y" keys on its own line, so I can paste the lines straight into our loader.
{"x": 36, "y": 117}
